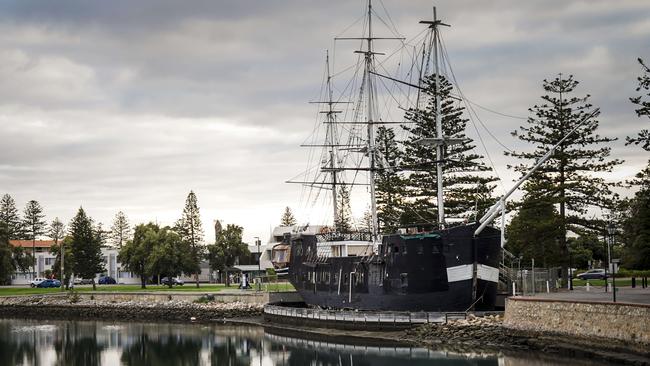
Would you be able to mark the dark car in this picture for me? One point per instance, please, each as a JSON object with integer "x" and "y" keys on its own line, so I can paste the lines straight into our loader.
{"x": 106, "y": 280}
{"x": 175, "y": 281}
{"x": 49, "y": 283}
{"x": 593, "y": 274}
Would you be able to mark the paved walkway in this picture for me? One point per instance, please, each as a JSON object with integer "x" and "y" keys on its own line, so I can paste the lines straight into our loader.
{"x": 598, "y": 294}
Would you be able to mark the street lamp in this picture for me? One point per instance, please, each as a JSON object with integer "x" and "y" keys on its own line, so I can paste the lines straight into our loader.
{"x": 258, "y": 242}
{"x": 611, "y": 230}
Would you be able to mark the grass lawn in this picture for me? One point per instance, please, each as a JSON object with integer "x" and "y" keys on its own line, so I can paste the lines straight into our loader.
{"x": 16, "y": 290}
{"x": 622, "y": 282}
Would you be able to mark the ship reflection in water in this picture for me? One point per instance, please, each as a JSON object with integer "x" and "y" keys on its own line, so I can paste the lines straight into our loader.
{"x": 25, "y": 342}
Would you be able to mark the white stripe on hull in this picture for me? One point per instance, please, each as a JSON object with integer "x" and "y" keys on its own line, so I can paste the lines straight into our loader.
{"x": 464, "y": 272}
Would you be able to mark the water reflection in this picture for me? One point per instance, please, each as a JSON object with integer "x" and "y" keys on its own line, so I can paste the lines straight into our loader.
{"x": 25, "y": 342}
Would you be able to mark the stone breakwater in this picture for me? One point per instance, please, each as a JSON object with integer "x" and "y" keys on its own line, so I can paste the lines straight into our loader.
{"x": 63, "y": 307}
{"x": 490, "y": 333}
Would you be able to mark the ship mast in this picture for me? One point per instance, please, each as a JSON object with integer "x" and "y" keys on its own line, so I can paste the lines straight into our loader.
{"x": 440, "y": 140}
{"x": 370, "y": 59}
{"x": 331, "y": 139}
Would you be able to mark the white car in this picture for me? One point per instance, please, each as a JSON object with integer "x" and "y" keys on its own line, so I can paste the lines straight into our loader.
{"x": 36, "y": 281}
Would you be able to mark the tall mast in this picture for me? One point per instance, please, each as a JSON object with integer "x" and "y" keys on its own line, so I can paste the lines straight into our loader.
{"x": 439, "y": 148}
{"x": 371, "y": 128}
{"x": 439, "y": 141}
{"x": 331, "y": 140}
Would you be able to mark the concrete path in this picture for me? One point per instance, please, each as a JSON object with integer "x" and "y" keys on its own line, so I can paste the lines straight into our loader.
{"x": 598, "y": 294}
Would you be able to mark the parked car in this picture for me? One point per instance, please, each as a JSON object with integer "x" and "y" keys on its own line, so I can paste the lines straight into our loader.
{"x": 82, "y": 281}
{"x": 36, "y": 281}
{"x": 49, "y": 283}
{"x": 175, "y": 281}
{"x": 593, "y": 274}
{"x": 106, "y": 280}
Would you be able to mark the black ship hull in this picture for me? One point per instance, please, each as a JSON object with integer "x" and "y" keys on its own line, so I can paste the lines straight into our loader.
{"x": 447, "y": 271}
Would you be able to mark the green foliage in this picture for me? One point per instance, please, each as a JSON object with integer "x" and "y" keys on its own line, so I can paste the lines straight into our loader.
{"x": 389, "y": 185}
{"x": 73, "y": 296}
{"x": 229, "y": 246}
{"x": 120, "y": 230}
{"x": 567, "y": 178}
{"x": 134, "y": 255}
{"x": 343, "y": 221}
{"x": 467, "y": 184}
{"x": 191, "y": 231}
{"x": 12, "y": 259}
{"x": 287, "y": 218}
{"x": 170, "y": 255}
{"x": 534, "y": 232}
{"x": 34, "y": 223}
{"x": 86, "y": 246}
{"x": 205, "y": 299}
{"x": 643, "y": 110}
{"x": 9, "y": 216}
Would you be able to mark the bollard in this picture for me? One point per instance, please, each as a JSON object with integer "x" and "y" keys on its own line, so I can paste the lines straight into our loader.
{"x": 587, "y": 286}
{"x": 514, "y": 289}
{"x": 548, "y": 288}
{"x": 633, "y": 282}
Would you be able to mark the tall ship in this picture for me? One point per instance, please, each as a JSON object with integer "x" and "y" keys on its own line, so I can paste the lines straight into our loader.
{"x": 433, "y": 265}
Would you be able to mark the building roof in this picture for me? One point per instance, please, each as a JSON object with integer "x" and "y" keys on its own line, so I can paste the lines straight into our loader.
{"x": 28, "y": 243}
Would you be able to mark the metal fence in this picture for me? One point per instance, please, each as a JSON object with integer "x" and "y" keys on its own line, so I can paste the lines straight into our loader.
{"x": 529, "y": 281}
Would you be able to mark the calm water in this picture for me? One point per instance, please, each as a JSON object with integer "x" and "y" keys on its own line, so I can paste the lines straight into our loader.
{"x": 25, "y": 342}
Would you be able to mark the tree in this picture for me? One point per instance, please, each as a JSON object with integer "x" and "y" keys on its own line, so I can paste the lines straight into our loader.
{"x": 190, "y": 229}
{"x": 12, "y": 259}
{"x": 86, "y": 247}
{"x": 534, "y": 232}
{"x": 636, "y": 217}
{"x": 33, "y": 224}
{"x": 567, "y": 179}
{"x": 56, "y": 233}
{"x": 223, "y": 254}
{"x": 9, "y": 216}
{"x": 287, "y": 218}
{"x": 467, "y": 185}
{"x": 389, "y": 185}
{"x": 134, "y": 255}
{"x": 643, "y": 110}
{"x": 343, "y": 221}
{"x": 170, "y": 256}
{"x": 120, "y": 230}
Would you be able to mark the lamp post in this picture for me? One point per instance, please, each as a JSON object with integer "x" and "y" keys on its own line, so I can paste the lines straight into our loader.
{"x": 611, "y": 230}
{"x": 258, "y": 242}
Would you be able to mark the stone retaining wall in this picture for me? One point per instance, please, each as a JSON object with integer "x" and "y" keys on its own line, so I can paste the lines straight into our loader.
{"x": 260, "y": 298}
{"x": 626, "y": 322}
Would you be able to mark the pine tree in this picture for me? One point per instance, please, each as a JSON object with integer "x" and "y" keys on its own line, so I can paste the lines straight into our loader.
{"x": 287, "y": 218}
{"x": 534, "y": 231}
{"x": 467, "y": 185}
{"x": 191, "y": 231}
{"x": 566, "y": 179}
{"x": 120, "y": 230}
{"x": 636, "y": 218}
{"x": 343, "y": 222}
{"x": 86, "y": 247}
{"x": 33, "y": 224}
{"x": 9, "y": 216}
{"x": 643, "y": 110}
{"x": 389, "y": 185}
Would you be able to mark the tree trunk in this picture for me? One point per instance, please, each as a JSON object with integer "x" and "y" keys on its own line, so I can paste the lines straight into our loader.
{"x": 227, "y": 279}
{"x": 94, "y": 285}
{"x": 143, "y": 282}
{"x": 196, "y": 276}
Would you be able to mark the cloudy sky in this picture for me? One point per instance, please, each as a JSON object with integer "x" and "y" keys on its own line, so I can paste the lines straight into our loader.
{"x": 126, "y": 105}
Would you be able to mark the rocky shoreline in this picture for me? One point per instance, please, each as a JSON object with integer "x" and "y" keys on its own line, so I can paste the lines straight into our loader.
{"x": 64, "y": 307}
{"x": 489, "y": 333}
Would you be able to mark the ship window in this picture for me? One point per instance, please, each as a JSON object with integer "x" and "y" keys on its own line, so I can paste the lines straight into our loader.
{"x": 404, "y": 277}
{"x": 395, "y": 249}
{"x": 419, "y": 249}
{"x": 404, "y": 249}
{"x": 435, "y": 249}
